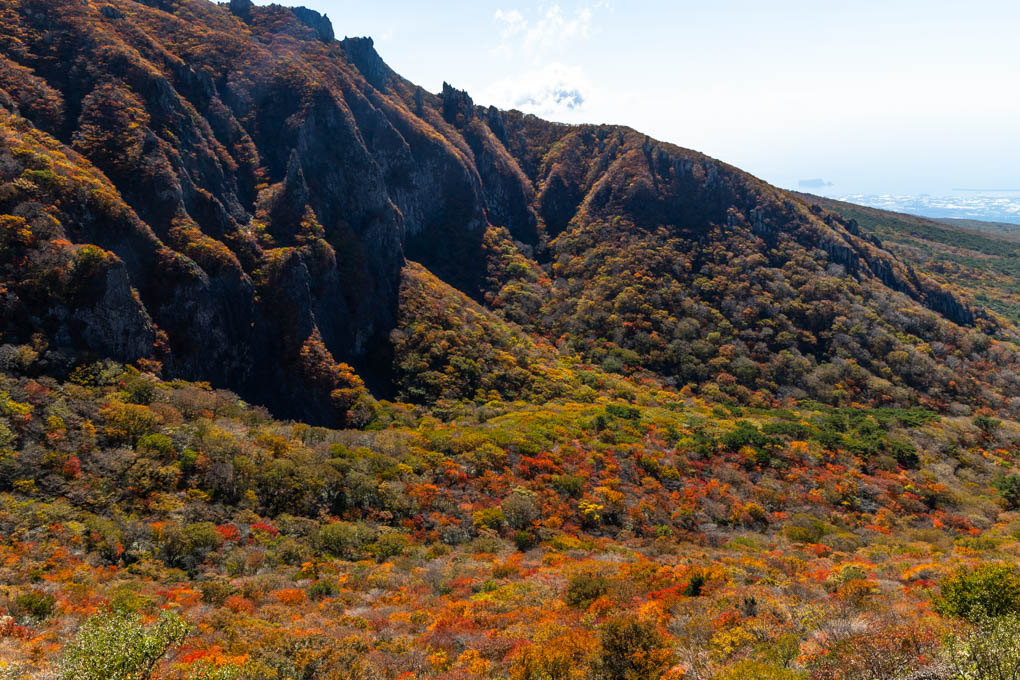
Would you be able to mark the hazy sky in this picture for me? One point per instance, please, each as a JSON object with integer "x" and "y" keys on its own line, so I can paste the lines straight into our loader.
{"x": 873, "y": 96}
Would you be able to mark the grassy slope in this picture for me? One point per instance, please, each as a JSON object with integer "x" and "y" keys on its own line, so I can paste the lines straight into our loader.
{"x": 1004, "y": 229}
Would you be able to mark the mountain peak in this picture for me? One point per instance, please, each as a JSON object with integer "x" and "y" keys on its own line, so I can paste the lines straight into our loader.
{"x": 361, "y": 51}
{"x": 458, "y": 106}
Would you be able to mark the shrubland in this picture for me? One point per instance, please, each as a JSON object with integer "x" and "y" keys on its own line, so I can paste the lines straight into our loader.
{"x": 640, "y": 532}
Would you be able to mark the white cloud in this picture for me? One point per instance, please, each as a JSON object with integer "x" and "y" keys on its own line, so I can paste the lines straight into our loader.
{"x": 513, "y": 22}
{"x": 554, "y": 90}
{"x": 542, "y": 39}
{"x": 550, "y": 32}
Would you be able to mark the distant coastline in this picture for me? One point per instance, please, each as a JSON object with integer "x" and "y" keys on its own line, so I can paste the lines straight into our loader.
{"x": 991, "y": 206}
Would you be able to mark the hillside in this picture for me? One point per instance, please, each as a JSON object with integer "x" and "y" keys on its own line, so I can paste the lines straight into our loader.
{"x": 511, "y": 541}
{"x": 306, "y": 372}
{"x": 982, "y": 260}
{"x": 1007, "y": 229}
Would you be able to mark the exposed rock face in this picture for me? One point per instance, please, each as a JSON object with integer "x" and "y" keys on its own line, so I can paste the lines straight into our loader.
{"x": 116, "y": 324}
{"x": 361, "y": 52}
{"x": 320, "y": 23}
{"x": 458, "y": 108}
{"x": 559, "y": 201}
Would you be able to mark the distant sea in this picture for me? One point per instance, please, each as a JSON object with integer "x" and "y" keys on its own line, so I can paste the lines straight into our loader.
{"x": 965, "y": 204}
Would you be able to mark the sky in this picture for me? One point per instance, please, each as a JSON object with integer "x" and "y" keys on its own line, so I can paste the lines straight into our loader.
{"x": 891, "y": 96}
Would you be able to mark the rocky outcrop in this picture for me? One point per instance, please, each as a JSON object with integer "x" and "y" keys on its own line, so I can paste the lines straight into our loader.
{"x": 320, "y": 23}
{"x": 458, "y": 107}
{"x": 117, "y": 324}
{"x": 241, "y": 8}
{"x": 559, "y": 201}
{"x": 361, "y": 52}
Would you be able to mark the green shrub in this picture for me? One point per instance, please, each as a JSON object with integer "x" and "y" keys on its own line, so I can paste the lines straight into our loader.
{"x": 486, "y": 544}
{"x": 203, "y": 536}
{"x": 216, "y": 591}
{"x": 188, "y": 459}
{"x": 904, "y": 453}
{"x": 524, "y": 540}
{"x": 127, "y": 423}
{"x": 345, "y": 539}
{"x": 520, "y": 508}
{"x": 290, "y": 551}
{"x": 127, "y": 599}
{"x": 840, "y": 577}
{"x": 584, "y": 588}
{"x": 158, "y": 444}
{"x": 185, "y": 548}
{"x": 7, "y": 438}
{"x": 842, "y": 541}
{"x": 118, "y": 647}
{"x": 631, "y": 650}
{"x": 320, "y": 590}
{"x": 988, "y": 590}
{"x": 572, "y": 485}
{"x": 787, "y": 429}
{"x": 746, "y": 434}
{"x": 805, "y": 529}
{"x": 992, "y": 652}
{"x": 695, "y": 585}
{"x": 35, "y": 605}
{"x": 987, "y": 425}
{"x": 623, "y": 411}
{"x": 1008, "y": 487}
{"x": 489, "y": 518}
{"x": 390, "y": 545}
{"x": 140, "y": 390}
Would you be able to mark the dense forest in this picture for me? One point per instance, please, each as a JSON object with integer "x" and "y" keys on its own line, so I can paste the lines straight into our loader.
{"x": 306, "y": 372}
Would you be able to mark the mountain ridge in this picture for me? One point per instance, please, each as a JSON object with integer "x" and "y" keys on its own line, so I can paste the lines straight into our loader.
{"x": 276, "y": 180}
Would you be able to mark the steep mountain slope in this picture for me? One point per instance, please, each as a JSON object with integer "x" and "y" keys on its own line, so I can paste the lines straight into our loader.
{"x": 982, "y": 260}
{"x": 248, "y": 190}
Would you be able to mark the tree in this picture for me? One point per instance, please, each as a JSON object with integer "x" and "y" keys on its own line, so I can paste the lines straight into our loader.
{"x": 116, "y": 646}
{"x": 345, "y": 539}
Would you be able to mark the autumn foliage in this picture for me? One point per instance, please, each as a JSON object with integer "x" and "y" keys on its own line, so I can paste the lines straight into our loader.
{"x": 308, "y": 373}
